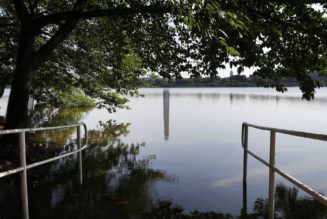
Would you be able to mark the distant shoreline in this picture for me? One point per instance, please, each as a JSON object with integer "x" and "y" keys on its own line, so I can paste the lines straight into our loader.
{"x": 214, "y": 87}
{"x": 233, "y": 81}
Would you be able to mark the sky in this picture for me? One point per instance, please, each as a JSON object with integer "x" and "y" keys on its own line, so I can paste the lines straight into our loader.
{"x": 223, "y": 73}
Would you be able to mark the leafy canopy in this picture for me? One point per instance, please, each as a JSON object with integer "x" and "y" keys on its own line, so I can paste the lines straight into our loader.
{"x": 102, "y": 46}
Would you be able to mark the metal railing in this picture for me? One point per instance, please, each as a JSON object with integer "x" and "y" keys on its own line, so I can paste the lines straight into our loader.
{"x": 271, "y": 164}
{"x": 22, "y": 156}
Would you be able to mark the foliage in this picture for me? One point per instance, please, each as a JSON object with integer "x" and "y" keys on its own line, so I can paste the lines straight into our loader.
{"x": 98, "y": 66}
{"x": 102, "y": 47}
{"x": 292, "y": 45}
{"x": 71, "y": 97}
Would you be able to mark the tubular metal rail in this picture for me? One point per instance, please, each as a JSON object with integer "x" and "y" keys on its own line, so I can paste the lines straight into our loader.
{"x": 24, "y": 167}
{"x": 271, "y": 164}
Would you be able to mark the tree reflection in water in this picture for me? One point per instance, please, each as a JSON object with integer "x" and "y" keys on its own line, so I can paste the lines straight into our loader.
{"x": 117, "y": 182}
{"x": 290, "y": 205}
{"x": 47, "y": 117}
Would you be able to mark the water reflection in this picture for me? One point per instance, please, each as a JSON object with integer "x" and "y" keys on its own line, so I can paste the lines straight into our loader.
{"x": 233, "y": 96}
{"x": 289, "y": 205}
{"x": 53, "y": 116}
{"x": 208, "y": 151}
{"x": 117, "y": 182}
{"x": 166, "y": 113}
{"x": 236, "y": 97}
{"x": 46, "y": 144}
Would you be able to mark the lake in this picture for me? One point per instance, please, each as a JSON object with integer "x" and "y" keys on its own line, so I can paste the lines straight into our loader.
{"x": 180, "y": 146}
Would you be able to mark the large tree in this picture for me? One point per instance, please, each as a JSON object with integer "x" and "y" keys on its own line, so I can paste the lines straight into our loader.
{"x": 102, "y": 47}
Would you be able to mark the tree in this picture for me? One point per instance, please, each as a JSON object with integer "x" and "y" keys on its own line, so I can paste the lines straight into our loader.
{"x": 41, "y": 53}
{"x": 101, "y": 47}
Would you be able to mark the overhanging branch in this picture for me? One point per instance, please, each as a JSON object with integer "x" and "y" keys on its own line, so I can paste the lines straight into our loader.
{"x": 55, "y": 40}
{"x": 71, "y": 15}
{"x": 63, "y": 32}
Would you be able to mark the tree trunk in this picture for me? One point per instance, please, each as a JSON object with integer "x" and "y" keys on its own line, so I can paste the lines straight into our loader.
{"x": 17, "y": 109}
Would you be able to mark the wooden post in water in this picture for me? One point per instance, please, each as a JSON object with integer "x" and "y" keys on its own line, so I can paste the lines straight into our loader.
{"x": 272, "y": 175}
{"x": 166, "y": 113}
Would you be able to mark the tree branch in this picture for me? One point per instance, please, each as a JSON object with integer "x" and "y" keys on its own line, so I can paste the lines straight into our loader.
{"x": 43, "y": 53}
{"x": 20, "y": 9}
{"x": 63, "y": 32}
{"x": 69, "y": 15}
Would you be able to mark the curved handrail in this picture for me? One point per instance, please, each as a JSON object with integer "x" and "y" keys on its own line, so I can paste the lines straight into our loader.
{"x": 39, "y": 163}
{"x": 271, "y": 164}
{"x": 24, "y": 167}
{"x": 15, "y": 131}
{"x": 315, "y": 136}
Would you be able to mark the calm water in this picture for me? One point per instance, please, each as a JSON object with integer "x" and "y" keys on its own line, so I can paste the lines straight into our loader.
{"x": 180, "y": 145}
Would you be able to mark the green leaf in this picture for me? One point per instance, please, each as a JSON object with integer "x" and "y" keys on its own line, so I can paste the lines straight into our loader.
{"x": 231, "y": 51}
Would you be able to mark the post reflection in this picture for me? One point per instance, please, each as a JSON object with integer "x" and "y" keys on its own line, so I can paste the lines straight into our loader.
{"x": 231, "y": 98}
{"x": 166, "y": 113}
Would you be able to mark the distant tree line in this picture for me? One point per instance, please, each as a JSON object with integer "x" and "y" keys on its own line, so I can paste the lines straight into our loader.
{"x": 233, "y": 81}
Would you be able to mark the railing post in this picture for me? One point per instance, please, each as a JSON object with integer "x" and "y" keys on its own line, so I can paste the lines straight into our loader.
{"x": 272, "y": 175}
{"x": 245, "y": 168}
{"x": 80, "y": 165}
{"x": 23, "y": 175}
